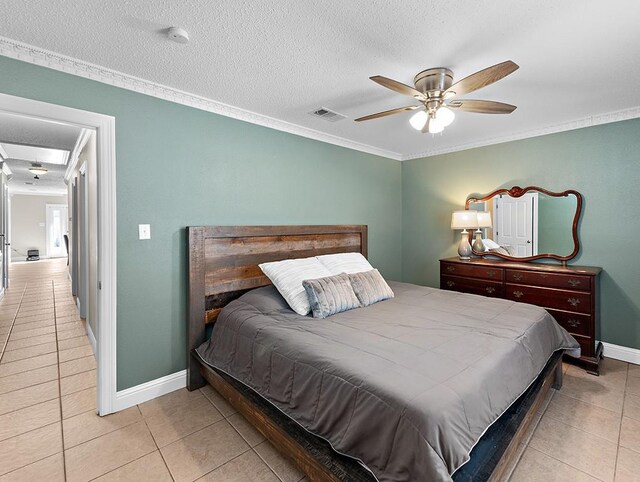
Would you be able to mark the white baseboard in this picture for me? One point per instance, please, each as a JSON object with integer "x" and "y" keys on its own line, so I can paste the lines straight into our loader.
{"x": 147, "y": 391}
{"x": 622, "y": 353}
{"x": 92, "y": 340}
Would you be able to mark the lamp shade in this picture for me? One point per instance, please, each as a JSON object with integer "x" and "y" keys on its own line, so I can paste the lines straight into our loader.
{"x": 484, "y": 220}
{"x": 464, "y": 219}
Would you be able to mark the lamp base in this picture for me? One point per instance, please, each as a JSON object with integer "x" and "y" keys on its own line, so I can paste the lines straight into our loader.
{"x": 464, "y": 248}
{"x": 478, "y": 245}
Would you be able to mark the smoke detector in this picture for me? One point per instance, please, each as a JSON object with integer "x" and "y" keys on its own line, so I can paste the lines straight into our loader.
{"x": 178, "y": 35}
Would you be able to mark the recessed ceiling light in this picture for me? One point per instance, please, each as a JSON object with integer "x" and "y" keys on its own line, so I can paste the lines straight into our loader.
{"x": 178, "y": 35}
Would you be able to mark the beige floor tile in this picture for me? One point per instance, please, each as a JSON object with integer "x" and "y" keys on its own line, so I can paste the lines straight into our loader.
{"x": 74, "y": 327}
{"x": 246, "y": 430}
{"x": 30, "y": 447}
{"x": 33, "y": 333}
{"x": 285, "y": 470}
{"x": 588, "y": 453}
{"x": 66, "y": 317}
{"x": 89, "y": 425}
{"x": 582, "y": 415}
{"x": 29, "y": 418}
{"x": 631, "y": 406}
{"x": 27, "y": 364}
{"x": 78, "y": 402}
{"x": 78, "y": 382}
{"x": 634, "y": 370}
{"x": 181, "y": 420}
{"x": 628, "y": 466}
{"x": 247, "y": 467}
{"x": 28, "y": 352}
{"x": 630, "y": 434}
{"x": 535, "y": 466}
{"x": 201, "y": 452}
{"x": 74, "y": 342}
{"x": 633, "y": 386}
{"x": 220, "y": 403}
{"x": 78, "y": 365}
{"x": 165, "y": 403}
{"x": 594, "y": 390}
{"x": 31, "y": 325}
{"x": 25, "y": 397}
{"x": 50, "y": 469}
{"x": 26, "y": 342}
{"x": 104, "y": 454}
{"x": 73, "y": 353}
{"x": 149, "y": 468}
{"x": 28, "y": 379}
{"x": 75, "y": 333}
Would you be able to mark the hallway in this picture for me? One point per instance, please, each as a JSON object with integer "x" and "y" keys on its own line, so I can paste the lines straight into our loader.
{"x": 47, "y": 370}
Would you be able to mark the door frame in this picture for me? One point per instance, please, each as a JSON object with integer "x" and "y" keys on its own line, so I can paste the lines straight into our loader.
{"x": 46, "y": 224}
{"x": 104, "y": 127}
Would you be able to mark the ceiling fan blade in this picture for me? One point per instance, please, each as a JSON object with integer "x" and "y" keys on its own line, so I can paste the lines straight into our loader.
{"x": 481, "y": 79}
{"x": 387, "y": 112}
{"x": 482, "y": 106}
{"x": 398, "y": 87}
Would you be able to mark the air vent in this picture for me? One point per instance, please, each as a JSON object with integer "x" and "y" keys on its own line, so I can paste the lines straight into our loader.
{"x": 328, "y": 115}
{"x": 29, "y": 183}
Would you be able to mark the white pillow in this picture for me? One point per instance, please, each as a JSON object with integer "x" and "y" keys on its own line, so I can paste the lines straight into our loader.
{"x": 288, "y": 275}
{"x": 349, "y": 263}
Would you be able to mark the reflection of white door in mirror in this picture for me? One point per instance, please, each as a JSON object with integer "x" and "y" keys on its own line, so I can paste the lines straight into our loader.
{"x": 516, "y": 223}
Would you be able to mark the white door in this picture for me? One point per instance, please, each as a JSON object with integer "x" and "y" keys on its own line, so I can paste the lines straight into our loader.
{"x": 515, "y": 224}
{"x": 57, "y": 220}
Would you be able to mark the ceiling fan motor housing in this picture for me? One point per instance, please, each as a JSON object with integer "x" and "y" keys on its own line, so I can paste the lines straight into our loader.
{"x": 439, "y": 79}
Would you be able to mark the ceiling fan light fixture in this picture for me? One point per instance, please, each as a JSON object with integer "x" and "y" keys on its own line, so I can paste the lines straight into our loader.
{"x": 418, "y": 120}
{"x": 445, "y": 116}
{"x": 38, "y": 169}
{"x": 435, "y": 126}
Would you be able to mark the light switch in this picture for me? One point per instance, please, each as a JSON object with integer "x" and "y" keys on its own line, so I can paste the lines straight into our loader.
{"x": 144, "y": 231}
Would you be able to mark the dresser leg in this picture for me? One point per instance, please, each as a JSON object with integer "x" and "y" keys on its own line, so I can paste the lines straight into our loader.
{"x": 557, "y": 382}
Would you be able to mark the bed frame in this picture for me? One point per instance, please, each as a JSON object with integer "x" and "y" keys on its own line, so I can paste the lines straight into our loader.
{"x": 223, "y": 265}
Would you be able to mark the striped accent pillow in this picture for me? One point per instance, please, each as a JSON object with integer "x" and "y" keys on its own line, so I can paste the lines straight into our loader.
{"x": 288, "y": 275}
{"x": 370, "y": 287}
{"x": 345, "y": 263}
{"x": 330, "y": 295}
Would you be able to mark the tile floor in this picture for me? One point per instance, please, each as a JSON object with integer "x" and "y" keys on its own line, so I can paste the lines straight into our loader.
{"x": 49, "y": 429}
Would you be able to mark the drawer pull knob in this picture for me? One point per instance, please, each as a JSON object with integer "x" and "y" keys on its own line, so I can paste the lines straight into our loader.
{"x": 574, "y": 282}
{"x": 544, "y": 275}
{"x": 518, "y": 294}
{"x": 490, "y": 289}
{"x": 450, "y": 283}
{"x": 517, "y": 276}
{"x": 451, "y": 268}
{"x": 573, "y": 322}
{"x": 573, "y": 302}
{"x": 491, "y": 274}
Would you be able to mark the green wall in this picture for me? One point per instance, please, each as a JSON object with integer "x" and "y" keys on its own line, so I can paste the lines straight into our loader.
{"x": 601, "y": 162}
{"x": 178, "y": 166}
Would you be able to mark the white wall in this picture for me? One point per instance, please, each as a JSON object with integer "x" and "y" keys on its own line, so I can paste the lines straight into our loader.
{"x": 28, "y": 223}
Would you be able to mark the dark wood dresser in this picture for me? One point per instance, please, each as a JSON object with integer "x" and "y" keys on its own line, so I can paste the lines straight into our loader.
{"x": 569, "y": 293}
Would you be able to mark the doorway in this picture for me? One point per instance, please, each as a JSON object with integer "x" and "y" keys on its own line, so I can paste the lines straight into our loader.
{"x": 516, "y": 223}
{"x": 104, "y": 194}
{"x": 56, "y": 228}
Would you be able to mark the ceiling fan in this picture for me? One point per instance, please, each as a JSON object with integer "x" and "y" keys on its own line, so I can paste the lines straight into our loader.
{"x": 435, "y": 90}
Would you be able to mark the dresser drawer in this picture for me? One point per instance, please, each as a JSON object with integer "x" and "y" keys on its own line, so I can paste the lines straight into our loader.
{"x": 573, "y": 322}
{"x": 553, "y": 280}
{"x": 576, "y": 301}
{"x": 473, "y": 286}
{"x": 472, "y": 271}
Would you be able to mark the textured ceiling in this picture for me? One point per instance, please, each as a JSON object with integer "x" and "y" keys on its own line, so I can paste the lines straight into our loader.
{"x": 578, "y": 60}
{"x": 24, "y": 130}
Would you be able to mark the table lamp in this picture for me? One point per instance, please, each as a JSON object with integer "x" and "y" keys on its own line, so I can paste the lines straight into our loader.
{"x": 464, "y": 220}
{"x": 484, "y": 221}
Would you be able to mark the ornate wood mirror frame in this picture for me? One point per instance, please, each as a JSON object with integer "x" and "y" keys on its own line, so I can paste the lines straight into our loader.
{"x": 517, "y": 192}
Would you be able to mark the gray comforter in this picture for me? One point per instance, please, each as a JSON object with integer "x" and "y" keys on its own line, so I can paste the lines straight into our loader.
{"x": 407, "y": 385}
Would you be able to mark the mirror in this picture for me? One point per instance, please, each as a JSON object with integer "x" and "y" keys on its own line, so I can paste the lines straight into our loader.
{"x": 527, "y": 224}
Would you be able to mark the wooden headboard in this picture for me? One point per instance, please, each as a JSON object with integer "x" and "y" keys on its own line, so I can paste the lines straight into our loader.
{"x": 223, "y": 265}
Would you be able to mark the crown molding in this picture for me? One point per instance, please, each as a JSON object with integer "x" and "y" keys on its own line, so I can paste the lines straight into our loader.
{"x": 46, "y": 58}
{"x": 590, "y": 121}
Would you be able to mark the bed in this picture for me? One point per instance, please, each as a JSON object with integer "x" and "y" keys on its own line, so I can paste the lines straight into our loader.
{"x": 400, "y": 390}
